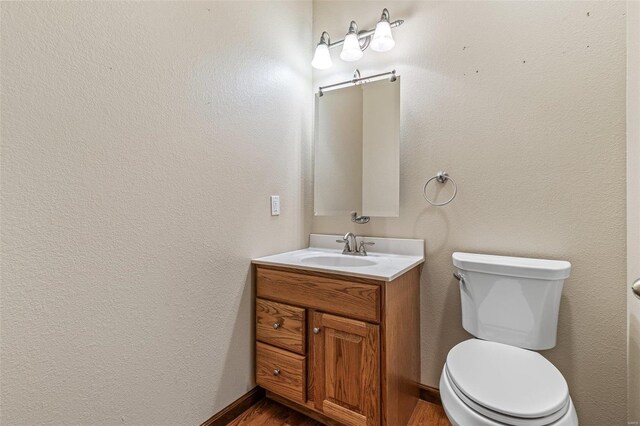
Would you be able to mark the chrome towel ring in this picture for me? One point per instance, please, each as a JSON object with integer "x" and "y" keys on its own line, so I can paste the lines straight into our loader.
{"x": 440, "y": 177}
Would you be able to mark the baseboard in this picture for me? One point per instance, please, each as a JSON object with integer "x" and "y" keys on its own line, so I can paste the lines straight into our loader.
{"x": 430, "y": 394}
{"x": 237, "y": 407}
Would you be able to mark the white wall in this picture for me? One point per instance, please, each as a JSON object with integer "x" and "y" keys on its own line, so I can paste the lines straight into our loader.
{"x": 633, "y": 207}
{"x": 140, "y": 144}
{"x": 523, "y": 103}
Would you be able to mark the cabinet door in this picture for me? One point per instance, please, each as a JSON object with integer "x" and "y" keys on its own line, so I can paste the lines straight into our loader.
{"x": 346, "y": 369}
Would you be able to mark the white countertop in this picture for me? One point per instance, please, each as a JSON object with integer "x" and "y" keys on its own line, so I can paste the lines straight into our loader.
{"x": 386, "y": 260}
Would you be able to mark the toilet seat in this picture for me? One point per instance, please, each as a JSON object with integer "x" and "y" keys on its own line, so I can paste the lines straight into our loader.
{"x": 507, "y": 384}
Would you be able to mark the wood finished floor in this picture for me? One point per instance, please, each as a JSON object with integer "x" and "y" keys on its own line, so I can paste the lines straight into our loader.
{"x": 430, "y": 414}
{"x": 270, "y": 413}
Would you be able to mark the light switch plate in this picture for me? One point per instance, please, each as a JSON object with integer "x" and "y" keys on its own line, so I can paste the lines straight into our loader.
{"x": 275, "y": 205}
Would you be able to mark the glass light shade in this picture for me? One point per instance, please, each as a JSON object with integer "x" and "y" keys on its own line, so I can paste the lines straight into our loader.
{"x": 382, "y": 39}
{"x": 322, "y": 57}
{"x": 351, "y": 48}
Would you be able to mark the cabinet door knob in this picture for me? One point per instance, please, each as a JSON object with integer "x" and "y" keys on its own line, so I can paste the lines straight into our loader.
{"x": 276, "y": 325}
{"x": 276, "y": 372}
{"x": 635, "y": 287}
{"x": 316, "y": 330}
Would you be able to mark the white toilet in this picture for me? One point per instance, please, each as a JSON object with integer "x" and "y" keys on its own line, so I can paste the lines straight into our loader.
{"x": 511, "y": 305}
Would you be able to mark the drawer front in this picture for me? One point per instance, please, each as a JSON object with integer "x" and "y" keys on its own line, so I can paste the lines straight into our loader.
{"x": 281, "y": 325}
{"x": 334, "y": 295}
{"x": 281, "y": 372}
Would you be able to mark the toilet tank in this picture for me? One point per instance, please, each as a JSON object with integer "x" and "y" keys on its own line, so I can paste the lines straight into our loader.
{"x": 511, "y": 300}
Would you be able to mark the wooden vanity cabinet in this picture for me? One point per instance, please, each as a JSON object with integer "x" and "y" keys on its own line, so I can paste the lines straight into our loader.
{"x": 344, "y": 349}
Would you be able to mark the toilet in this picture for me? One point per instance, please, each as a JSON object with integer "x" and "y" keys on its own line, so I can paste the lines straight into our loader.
{"x": 511, "y": 306}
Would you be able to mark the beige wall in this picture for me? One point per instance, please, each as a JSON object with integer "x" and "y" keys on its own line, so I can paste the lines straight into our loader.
{"x": 633, "y": 206}
{"x": 140, "y": 144}
{"x": 523, "y": 103}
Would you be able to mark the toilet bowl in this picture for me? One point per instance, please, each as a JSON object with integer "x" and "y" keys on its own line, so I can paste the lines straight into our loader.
{"x": 492, "y": 384}
{"x": 511, "y": 306}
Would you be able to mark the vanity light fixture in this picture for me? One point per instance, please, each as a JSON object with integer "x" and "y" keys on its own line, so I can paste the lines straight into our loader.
{"x": 351, "y": 49}
{"x": 322, "y": 57}
{"x": 382, "y": 38}
{"x": 355, "y": 42}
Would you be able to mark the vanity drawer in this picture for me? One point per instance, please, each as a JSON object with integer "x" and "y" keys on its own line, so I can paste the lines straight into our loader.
{"x": 345, "y": 297}
{"x": 280, "y": 325}
{"x": 281, "y": 372}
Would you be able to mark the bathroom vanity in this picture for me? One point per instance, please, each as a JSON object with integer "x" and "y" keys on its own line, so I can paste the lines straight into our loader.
{"x": 338, "y": 336}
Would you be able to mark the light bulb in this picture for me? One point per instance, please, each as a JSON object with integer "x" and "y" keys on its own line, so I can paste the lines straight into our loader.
{"x": 382, "y": 39}
{"x": 322, "y": 57}
{"x": 351, "y": 48}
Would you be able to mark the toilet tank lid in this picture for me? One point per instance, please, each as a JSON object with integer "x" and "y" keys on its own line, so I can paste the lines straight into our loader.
{"x": 512, "y": 266}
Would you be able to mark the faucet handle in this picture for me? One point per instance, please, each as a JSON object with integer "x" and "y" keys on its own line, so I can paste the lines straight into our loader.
{"x": 362, "y": 249}
{"x": 347, "y": 247}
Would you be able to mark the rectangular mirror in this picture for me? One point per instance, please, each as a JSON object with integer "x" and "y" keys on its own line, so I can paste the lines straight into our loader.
{"x": 357, "y": 150}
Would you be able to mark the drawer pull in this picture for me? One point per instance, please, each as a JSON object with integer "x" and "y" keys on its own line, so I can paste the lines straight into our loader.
{"x": 276, "y": 325}
{"x": 316, "y": 330}
{"x": 276, "y": 372}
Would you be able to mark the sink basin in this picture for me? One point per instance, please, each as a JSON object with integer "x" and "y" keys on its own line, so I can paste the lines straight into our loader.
{"x": 340, "y": 261}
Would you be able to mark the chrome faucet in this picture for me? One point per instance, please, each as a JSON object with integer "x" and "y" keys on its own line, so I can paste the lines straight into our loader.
{"x": 351, "y": 246}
